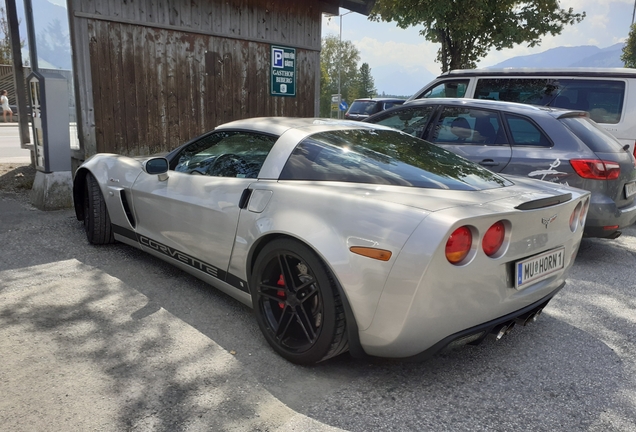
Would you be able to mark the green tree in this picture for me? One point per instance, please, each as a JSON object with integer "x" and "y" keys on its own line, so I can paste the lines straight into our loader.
{"x": 340, "y": 63}
{"x": 629, "y": 50}
{"x": 366, "y": 86}
{"x": 5, "y": 40}
{"x": 468, "y": 29}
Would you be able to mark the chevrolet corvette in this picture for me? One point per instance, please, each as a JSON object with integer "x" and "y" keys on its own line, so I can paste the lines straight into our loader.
{"x": 343, "y": 236}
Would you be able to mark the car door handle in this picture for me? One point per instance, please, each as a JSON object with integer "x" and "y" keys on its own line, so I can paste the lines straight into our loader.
{"x": 488, "y": 162}
{"x": 245, "y": 197}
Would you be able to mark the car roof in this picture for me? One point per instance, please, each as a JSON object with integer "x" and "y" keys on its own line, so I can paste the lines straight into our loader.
{"x": 578, "y": 72}
{"x": 514, "y": 107}
{"x": 381, "y": 99}
{"x": 278, "y": 125}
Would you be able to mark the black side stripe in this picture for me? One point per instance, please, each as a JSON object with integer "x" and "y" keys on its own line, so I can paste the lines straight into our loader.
{"x": 124, "y": 232}
{"x": 184, "y": 258}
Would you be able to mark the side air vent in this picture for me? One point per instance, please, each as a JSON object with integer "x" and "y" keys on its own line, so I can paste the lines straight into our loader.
{"x": 124, "y": 203}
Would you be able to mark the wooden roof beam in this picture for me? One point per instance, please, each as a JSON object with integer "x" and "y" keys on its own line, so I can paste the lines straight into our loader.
{"x": 331, "y": 7}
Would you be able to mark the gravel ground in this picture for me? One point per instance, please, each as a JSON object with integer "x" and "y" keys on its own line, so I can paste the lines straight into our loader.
{"x": 16, "y": 177}
{"x": 109, "y": 338}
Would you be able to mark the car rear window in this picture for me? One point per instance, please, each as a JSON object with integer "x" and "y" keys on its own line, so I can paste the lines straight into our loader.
{"x": 595, "y": 137}
{"x": 385, "y": 157}
{"x": 364, "y": 107}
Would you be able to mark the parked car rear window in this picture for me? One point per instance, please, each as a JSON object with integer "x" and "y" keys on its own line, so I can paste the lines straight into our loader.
{"x": 595, "y": 137}
{"x": 365, "y": 107}
{"x": 385, "y": 157}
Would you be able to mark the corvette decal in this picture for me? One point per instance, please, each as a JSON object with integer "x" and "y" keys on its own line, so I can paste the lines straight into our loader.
{"x": 175, "y": 254}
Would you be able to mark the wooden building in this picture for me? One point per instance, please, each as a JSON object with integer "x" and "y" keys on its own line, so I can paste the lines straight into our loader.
{"x": 151, "y": 74}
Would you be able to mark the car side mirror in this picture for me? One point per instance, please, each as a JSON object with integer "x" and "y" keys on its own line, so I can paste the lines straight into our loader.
{"x": 158, "y": 166}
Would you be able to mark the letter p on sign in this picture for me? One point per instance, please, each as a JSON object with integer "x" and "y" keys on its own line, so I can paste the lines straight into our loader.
{"x": 277, "y": 59}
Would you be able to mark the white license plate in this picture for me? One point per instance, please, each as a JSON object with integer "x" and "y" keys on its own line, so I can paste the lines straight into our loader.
{"x": 539, "y": 267}
{"x": 630, "y": 189}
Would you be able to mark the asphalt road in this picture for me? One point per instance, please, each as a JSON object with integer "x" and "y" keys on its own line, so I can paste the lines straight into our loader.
{"x": 10, "y": 150}
{"x": 109, "y": 338}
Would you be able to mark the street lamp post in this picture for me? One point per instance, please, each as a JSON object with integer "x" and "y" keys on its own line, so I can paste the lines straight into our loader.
{"x": 340, "y": 61}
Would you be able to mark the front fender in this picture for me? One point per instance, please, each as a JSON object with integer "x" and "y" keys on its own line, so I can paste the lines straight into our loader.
{"x": 113, "y": 173}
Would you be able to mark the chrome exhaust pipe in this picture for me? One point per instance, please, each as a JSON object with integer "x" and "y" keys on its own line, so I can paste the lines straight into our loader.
{"x": 501, "y": 330}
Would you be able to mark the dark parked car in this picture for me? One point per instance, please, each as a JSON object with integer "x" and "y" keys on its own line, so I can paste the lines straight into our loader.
{"x": 557, "y": 145}
{"x": 363, "y": 108}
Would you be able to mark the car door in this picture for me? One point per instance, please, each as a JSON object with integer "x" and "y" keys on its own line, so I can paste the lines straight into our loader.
{"x": 534, "y": 154}
{"x": 474, "y": 133}
{"x": 195, "y": 211}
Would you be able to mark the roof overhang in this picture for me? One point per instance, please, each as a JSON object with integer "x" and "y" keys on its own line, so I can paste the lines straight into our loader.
{"x": 360, "y": 6}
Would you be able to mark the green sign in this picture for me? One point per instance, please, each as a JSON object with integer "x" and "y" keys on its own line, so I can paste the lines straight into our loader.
{"x": 283, "y": 71}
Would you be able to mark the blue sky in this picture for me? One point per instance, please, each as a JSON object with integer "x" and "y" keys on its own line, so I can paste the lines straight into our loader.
{"x": 402, "y": 61}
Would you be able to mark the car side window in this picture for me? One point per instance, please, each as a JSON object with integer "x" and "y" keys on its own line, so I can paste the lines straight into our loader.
{"x": 225, "y": 154}
{"x": 525, "y": 132}
{"x": 410, "y": 120}
{"x": 538, "y": 91}
{"x": 447, "y": 89}
{"x": 458, "y": 125}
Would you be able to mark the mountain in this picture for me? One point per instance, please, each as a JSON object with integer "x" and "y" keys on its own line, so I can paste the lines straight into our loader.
{"x": 579, "y": 56}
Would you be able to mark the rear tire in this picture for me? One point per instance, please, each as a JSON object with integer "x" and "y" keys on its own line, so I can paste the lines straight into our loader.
{"x": 96, "y": 219}
{"x": 297, "y": 304}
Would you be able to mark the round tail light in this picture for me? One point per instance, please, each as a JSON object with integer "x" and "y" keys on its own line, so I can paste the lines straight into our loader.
{"x": 493, "y": 239}
{"x": 459, "y": 244}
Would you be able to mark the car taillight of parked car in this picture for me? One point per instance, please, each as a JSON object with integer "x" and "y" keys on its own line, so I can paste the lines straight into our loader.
{"x": 458, "y": 245}
{"x": 494, "y": 238}
{"x": 596, "y": 169}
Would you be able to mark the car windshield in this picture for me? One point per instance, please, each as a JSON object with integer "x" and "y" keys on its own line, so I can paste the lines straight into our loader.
{"x": 385, "y": 157}
{"x": 364, "y": 107}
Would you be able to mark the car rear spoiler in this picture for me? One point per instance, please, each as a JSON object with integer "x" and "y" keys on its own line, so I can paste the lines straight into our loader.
{"x": 544, "y": 202}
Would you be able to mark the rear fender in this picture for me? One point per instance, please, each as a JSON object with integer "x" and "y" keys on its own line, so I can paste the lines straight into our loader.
{"x": 330, "y": 233}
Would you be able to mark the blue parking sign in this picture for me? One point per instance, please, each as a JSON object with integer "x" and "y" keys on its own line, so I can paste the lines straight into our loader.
{"x": 278, "y": 57}
{"x": 283, "y": 71}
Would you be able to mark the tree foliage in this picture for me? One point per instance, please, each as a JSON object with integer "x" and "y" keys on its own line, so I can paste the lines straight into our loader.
{"x": 339, "y": 60}
{"x": 6, "y": 58}
{"x": 366, "y": 86}
{"x": 629, "y": 50}
{"x": 468, "y": 29}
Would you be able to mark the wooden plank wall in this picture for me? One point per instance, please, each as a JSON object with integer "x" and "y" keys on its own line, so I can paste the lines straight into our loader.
{"x": 160, "y": 72}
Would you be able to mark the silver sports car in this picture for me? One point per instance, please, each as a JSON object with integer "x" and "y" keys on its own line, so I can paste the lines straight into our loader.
{"x": 343, "y": 235}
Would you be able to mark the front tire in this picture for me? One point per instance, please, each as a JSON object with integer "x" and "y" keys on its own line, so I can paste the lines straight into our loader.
{"x": 96, "y": 219}
{"x": 297, "y": 304}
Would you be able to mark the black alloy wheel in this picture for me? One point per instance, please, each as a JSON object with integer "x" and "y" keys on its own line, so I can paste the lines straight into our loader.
{"x": 297, "y": 304}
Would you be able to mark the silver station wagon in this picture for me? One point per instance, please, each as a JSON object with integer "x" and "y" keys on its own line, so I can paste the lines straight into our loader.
{"x": 551, "y": 144}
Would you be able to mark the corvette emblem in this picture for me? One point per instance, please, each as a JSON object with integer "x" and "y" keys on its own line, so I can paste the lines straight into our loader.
{"x": 547, "y": 221}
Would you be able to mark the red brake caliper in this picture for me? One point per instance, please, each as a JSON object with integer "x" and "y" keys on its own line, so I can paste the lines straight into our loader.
{"x": 281, "y": 293}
